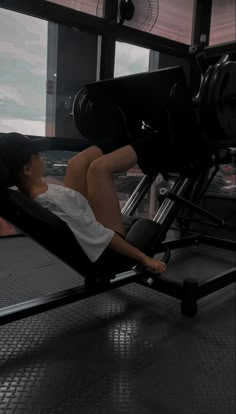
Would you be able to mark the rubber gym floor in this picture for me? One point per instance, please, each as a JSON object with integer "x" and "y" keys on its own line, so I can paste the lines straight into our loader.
{"x": 123, "y": 352}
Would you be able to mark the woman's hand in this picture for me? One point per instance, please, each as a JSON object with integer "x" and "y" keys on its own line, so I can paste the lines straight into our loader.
{"x": 154, "y": 265}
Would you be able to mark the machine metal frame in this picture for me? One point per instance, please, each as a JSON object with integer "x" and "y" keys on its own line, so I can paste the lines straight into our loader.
{"x": 188, "y": 292}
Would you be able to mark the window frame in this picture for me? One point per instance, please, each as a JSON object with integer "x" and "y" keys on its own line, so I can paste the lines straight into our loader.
{"x": 104, "y": 26}
{"x": 110, "y": 32}
{"x": 107, "y": 27}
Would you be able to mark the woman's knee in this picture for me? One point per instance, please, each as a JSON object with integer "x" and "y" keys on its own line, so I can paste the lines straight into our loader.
{"x": 84, "y": 158}
{"x": 100, "y": 166}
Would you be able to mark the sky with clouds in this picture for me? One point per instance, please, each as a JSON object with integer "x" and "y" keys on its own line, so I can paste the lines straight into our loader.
{"x": 23, "y": 71}
{"x": 23, "y": 51}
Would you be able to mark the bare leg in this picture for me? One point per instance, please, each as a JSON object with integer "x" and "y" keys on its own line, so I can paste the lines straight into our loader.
{"x": 77, "y": 168}
{"x": 102, "y": 196}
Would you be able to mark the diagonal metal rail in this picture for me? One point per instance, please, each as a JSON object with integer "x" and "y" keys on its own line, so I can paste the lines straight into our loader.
{"x": 55, "y": 300}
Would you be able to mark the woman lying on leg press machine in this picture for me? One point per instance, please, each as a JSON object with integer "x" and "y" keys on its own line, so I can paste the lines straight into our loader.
{"x": 87, "y": 202}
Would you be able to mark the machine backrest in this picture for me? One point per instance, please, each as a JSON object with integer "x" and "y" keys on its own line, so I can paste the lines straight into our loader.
{"x": 39, "y": 223}
{"x": 53, "y": 234}
{"x": 44, "y": 227}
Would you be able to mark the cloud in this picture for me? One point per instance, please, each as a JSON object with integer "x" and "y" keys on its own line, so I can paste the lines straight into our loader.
{"x": 23, "y": 126}
{"x": 130, "y": 59}
{"x": 16, "y": 27}
{"x": 10, "y": 92}
{"x": 23, "y": 49}
{"x": 23, "y": 72}
{"x": 11, "y": 51}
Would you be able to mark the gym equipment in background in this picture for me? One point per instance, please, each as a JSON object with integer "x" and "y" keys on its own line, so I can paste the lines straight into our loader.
{"x": 217, "y": 100}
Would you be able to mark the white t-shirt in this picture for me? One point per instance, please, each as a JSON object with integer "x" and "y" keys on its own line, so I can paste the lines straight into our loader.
{"x": 72, "y": 207}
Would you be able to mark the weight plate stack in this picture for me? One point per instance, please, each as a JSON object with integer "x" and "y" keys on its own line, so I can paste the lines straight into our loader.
{"x": 225, "y": 96}
{"x": 218, "y": 102}
{"x": 82, "y": 109}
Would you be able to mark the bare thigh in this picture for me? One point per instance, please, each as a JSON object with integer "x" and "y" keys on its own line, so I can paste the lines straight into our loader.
{"x": 77, "y": 168}
{"x": 102, "y": 195}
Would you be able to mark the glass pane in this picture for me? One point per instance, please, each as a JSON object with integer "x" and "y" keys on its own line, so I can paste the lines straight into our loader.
{"x": 224, "y": 183}
{"x": 76, "y": 65}
{"x": 172, "y": 19}
{"x": 94, "y": 7}
{"x": 23, "y": 71}
{"x": 223, "y": 21}
{"x": 130, "y": 59}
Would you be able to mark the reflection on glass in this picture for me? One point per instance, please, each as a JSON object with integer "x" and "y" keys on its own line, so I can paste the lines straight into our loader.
{"x": 224, "y": 183}
{"x": 23, "y": 71}
{"x": 87, "y": 6}
{"x": 223, "y": 21}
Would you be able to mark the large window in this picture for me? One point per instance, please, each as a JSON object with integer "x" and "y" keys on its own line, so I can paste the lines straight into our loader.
{"x": 172, "y": 19}
{"x": 93, "y": 7}
{"x": 40, "y": 73}
{"x": 23, "y": 72}
{"x": 223, "y": 21}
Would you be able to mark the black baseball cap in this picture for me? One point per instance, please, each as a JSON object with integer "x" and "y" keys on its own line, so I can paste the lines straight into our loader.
{"x": 16, "y": 149}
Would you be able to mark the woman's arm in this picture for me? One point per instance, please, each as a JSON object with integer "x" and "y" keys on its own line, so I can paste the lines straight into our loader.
{"x": 124, "y": 248}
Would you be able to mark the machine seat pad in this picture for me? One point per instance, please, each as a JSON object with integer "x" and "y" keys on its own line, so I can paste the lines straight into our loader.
{"x": 128, "y": 222}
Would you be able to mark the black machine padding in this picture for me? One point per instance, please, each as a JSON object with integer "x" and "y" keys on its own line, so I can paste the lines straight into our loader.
{"x": 144, "y": 235}
{"x": 128, "y": 222}
{"x": 44, "y": 227}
